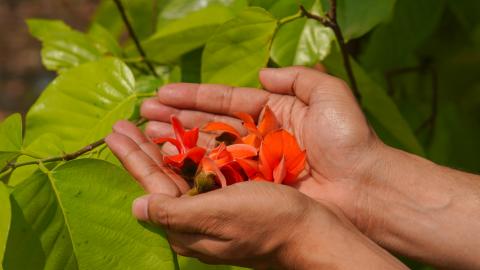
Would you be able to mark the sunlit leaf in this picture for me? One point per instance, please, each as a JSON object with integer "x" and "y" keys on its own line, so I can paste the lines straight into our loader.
{"x": 5, "y": 218}
{"x": 82, "y": 104}
{"x": 104, "y": 41}
{"x": 185, "y": 34}
{"x": 47, "y": 145}
{"x": 10, "y": 139}
{"x": 78, "y": 216}
{"x": 63, "y": 47}
{"x": 239, "y": 49}
{"x": 302, "y": 42}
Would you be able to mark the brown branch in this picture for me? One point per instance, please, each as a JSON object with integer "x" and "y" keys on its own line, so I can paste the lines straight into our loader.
{"x": 330, "y": 20}
{"x": 132, "y": 34}
{"x": 65, "y": 157}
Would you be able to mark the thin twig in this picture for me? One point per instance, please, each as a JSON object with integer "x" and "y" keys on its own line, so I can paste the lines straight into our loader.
{"x": 330, "y": 20}
{"x": 65, "y": 157}
{"x": 132, "y": 34}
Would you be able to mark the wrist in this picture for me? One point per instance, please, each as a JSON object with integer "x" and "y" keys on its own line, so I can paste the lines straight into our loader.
{"x": 327, "y": 240}
{"x": 419, "y": 209}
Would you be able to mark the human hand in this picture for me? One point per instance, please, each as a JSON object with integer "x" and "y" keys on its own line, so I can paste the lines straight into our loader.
{"x": 262, "y": 225}
{"x": 317, "y": 108}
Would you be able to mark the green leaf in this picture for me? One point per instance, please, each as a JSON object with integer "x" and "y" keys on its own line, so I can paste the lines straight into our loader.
{"x": 47, "y": 145}
{"x": 356, "y": 18}
{"x": 384, "y": 114}
{"x": 79, "y": 217}
{"x": 82, "y": 104}
{"x": 281, "y": 8}
{"x": 104, "y": 41}
{"x": 177, "y": 9}
{"x": 63, "y": 47}
{"x": 181, "y": 36}
{"x": 239, "y": 49}
{"x": 5, "y": 218}
{"x": 10, "y": 139}
{"x": 302, "y": 42}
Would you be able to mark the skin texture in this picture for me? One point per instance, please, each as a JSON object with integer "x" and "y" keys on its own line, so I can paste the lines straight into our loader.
{"x": 403, "y": 202}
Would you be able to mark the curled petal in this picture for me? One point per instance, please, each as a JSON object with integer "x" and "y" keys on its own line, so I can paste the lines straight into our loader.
{"x": 219, "y": 126}
{"x": 209, "y": 166}
{"x": 173, "y": 141}
{"x": 250, "y": 167}
{"x": 242, "y": 151}
{"x": 280, "y": 172}
{"x": 268, "y": 123}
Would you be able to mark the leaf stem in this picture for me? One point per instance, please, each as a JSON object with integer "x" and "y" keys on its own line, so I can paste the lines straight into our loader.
{"x": 330, "y": 20}
{"x": 290, "y": 18}
{"x": 132, "y": 34}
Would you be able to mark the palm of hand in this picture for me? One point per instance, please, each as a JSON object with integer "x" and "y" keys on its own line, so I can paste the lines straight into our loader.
{"x": 318, "y": 109}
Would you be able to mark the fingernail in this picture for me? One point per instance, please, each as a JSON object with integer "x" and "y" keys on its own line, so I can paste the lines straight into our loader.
{"x": 140, "y": 208}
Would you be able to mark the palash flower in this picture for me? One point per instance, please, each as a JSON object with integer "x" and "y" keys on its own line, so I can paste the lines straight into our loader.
{"x": 281, "y": 159}
{"x": 186, "y": 143}
{"x": 231, "y": 164}
{"x": 267, "y": 153}
{"x": 267, "y": 124}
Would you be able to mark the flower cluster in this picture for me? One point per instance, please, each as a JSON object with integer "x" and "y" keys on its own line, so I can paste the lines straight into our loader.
{"x": 265, "y": 153}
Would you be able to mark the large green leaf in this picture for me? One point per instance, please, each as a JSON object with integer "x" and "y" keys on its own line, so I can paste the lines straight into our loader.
{"x": 63, "y": 47}
{"x": 356, "y": 18}
{"x": 78, "y": 216}
{"x": 382, "y": 111}
{"x": 5, "y": 218}
{"x": 104, "y": 40}
{"x": 10, "y": 139}
{"x": 239, "y": 49}
{"x": 47, "y": 145}
{"x": 185, "y": 34}
{"x": 302, "y": 42}
{"x": 177, "y": 9}
{"x": 83, "y": 103}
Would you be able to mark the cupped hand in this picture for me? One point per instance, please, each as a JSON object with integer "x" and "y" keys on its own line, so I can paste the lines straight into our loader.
{"x": 318, "y": 109}
{"x": 262, "y": 225}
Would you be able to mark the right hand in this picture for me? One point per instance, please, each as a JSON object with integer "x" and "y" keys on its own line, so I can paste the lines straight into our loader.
{"x": 317, "y": 108}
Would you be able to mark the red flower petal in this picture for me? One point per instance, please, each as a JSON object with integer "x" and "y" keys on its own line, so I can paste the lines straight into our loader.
{"x": 280, "y": 172}
{"x": 173, "y": 141}
{"x": 242, "y": 151}
{"x": 268, "y": 123}
{"x": 219, "y": 126}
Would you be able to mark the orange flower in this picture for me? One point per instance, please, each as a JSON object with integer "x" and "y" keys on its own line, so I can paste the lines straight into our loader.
{"x": 186, "y": 144}
{"x": 231, "y": 164}
{"x": 281, "y": 159}
{"x": 267, "y": 124}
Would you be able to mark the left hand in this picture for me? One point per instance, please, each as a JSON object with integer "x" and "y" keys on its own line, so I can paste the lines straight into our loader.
{"x": 253, "y": 224}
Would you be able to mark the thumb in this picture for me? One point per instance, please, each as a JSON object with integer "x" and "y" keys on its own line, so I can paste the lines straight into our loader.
{"x": 141, "y": 205}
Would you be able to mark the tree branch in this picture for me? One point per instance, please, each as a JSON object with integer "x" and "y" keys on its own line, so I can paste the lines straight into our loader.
{"x": 132, "y": 34}
{"x": 330, "y": 20}
{"x": 65, "y": 157}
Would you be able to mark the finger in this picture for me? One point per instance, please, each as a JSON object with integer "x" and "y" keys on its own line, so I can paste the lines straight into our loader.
{"x": 153, "y": 109}
{"x": 140, "y": 165}
{"x": 320, "y": 67}
{"x": 160, "y": 129}
{"x": 301, "y": 82}
{"x": 197, "y": 245}
{"x": 186, "y": 214}
{"x": 130, "y": 130}
{"x": 152, "y": 150}
{"x": 213, "y": 98}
